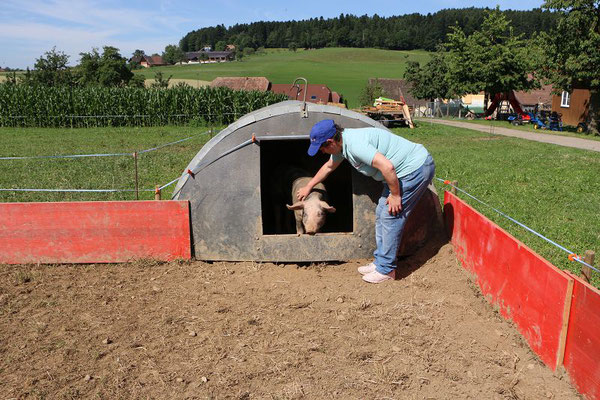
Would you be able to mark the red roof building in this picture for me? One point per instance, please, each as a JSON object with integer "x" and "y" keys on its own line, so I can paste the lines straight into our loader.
{"x": 315, "y": 93}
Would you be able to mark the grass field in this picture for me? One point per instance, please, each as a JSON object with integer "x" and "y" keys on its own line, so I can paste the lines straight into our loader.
{"x": 154, "y": 168}
{"x": 344, "y": 70}
{"x": 549, "y": 188}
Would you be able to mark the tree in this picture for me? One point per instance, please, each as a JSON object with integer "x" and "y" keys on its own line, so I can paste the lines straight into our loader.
{"x": 160, "y": 82}
{"x": 430, "y": 81}
{"x": 139, "y": 53}
{"x": 106, "y": 69}
{"x": 220, "y": 45}
{"x": 88, "y": 68}
{"x": 571, "y": 51}
{"x": 51, "y": 70}
{"x": 493, "y": 59}
{"x": 292, "y": 46}
{"x": 173, "y": 54}
{"x": 370, "y": 92}
{"x": 137, "y": 81}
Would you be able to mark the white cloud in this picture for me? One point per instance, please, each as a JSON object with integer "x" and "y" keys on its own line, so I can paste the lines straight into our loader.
{"x": 78, "y": 26}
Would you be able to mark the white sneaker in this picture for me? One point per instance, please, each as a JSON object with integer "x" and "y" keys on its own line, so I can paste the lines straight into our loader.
{"x": 365, "y": 269}
{"x": 376, "y": 277}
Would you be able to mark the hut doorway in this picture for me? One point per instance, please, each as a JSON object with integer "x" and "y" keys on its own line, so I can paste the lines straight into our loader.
{"x": 276, "y": 218}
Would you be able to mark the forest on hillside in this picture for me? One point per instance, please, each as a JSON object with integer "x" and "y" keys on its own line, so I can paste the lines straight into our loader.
{"x": 404, "y": 32}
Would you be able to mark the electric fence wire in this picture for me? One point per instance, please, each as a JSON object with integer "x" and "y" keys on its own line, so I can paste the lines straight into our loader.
{"x": 102, "y": 154}
{"x": 577, "y": 258}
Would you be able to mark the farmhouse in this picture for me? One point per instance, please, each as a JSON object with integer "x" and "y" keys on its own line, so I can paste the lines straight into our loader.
{"x": 535, "y": 100}
{"x": 148, "y": 61}
{"x": 573, "y": 105}
{"x": 197, "y": 57}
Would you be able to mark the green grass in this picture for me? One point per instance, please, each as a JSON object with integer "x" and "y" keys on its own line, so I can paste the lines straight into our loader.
{"x": 344, "y": 70}
{"x": 567, "y": 131}
{"x": 154, "y": 168}
{"x": 549, "y": 188}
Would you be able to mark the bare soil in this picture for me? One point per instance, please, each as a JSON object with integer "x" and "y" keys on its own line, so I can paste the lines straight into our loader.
{"x": 197, "y": 330}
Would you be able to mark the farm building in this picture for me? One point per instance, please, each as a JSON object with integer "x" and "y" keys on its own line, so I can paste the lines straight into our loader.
{"x": 315, "y": 93}
{"x": 573, "y": 105}
{"x": 148, "y": 61}
{"x": 535, "y": 100}
{"x": 197, "y": 57}
{"x": 474, "y": 102}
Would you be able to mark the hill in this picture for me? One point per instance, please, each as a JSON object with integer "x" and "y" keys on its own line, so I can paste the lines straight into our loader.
{"x": 400, "y": 32}
{"x": 344, "y": 70}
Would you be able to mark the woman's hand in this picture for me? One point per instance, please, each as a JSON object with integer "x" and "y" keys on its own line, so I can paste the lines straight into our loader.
{"x": 394, "y": 203}
{"x": 303, "y": 192}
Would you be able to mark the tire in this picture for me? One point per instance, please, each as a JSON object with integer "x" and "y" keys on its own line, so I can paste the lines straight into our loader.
{"x": 385, "y": 122}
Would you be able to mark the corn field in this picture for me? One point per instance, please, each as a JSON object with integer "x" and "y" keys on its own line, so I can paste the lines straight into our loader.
{"x": 60, "y": 107}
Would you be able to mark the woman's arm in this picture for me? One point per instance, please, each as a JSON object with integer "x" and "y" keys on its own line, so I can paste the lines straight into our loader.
{"x": 319, "y": 177}
{"x": 394, "y": 201}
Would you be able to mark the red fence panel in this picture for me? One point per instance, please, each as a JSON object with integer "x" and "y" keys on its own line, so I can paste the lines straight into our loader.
{"x": 527, "y": 289}
{"x": 94, "y": 232}
{"x": 582, "y": 350}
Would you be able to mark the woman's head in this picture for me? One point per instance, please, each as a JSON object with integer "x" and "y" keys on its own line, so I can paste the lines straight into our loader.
{"x": 323, "y": 135}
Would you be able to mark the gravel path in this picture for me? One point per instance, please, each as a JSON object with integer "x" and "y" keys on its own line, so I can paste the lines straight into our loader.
{"x": 538, "y": 137}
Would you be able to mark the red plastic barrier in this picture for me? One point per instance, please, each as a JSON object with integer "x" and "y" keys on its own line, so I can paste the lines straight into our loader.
{"x": 94, "y": 232}
{"x": 582, "y": 350}
{"x": 527, "y": 289}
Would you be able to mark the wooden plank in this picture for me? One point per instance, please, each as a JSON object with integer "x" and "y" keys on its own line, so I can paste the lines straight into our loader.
{"x": 565, "y": 323}
{"x": 586, "y": 272}
{"x": 582, "y": 350}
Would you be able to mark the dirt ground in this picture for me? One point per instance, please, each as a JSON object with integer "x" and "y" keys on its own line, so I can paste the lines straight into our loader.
{"x": 197, "y": 330}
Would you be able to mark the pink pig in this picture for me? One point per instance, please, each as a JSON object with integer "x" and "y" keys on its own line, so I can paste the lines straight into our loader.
{"x": 309, "y": 213}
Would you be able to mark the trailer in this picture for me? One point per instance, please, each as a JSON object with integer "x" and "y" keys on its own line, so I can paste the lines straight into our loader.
{"x": 389, "y": 112}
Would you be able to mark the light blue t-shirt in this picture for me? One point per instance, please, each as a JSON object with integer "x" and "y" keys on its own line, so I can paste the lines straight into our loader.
{"x": 361, "y": 144}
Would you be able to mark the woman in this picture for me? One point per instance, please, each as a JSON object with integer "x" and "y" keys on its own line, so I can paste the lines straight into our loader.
{"x": 404, "y": 167}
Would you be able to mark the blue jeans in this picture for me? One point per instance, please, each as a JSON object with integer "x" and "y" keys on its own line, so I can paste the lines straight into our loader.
{"x": 389, "y": 228}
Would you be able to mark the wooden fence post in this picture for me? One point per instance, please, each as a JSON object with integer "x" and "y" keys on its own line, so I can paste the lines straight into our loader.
{"x": 453, "y": 187}
{"x": 157, "y": 193}
{"x": 586, "y": 272}
{"x": 135, "y": 160}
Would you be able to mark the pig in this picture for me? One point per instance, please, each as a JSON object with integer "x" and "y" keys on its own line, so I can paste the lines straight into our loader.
{"x": 310, "y": 212}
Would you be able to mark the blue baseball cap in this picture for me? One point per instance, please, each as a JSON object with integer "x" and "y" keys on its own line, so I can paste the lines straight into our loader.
{"x": 320, "y": 132}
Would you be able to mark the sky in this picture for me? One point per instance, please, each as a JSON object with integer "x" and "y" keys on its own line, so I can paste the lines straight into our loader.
{"x": 29, "y": 28}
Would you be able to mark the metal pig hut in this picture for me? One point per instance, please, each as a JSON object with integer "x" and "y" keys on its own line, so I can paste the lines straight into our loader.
{"x": 232, "y": 204}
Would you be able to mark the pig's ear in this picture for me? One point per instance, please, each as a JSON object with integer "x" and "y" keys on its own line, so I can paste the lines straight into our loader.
{"x": 296, "y": 206}
{"x": 327, "y": 207}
